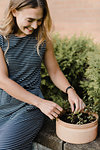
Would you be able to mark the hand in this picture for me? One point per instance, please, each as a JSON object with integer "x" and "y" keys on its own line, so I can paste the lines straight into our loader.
{"x": 74, "y": 99}
{"x": 51, "y": 109}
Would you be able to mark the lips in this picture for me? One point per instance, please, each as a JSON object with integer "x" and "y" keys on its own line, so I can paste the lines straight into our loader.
{"x": 29, "y": 29}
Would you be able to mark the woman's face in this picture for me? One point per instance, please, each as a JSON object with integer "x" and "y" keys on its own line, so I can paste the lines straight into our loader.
{"x": 28, "y": 19}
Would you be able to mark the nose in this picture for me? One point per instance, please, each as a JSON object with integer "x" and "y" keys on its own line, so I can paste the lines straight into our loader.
{"x": 34, "y": 25}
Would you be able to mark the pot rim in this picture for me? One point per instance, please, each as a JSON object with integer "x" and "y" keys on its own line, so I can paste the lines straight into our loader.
{"x": 88, "y": 125}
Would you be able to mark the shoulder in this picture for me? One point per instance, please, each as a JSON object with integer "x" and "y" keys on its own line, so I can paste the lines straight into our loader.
{"x": 49, "y": 44}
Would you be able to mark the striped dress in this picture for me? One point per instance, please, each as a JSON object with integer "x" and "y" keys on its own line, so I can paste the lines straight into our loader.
{"x": 20, "y": 122}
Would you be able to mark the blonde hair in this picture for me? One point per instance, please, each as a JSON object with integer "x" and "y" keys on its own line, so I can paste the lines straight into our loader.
{"x": 8, "y": 25}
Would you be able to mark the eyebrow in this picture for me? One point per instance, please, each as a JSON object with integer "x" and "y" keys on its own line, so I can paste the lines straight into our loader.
{"x": 34, "y": 18}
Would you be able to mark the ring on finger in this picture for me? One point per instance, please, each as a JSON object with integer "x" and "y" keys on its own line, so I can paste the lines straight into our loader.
{"x": 83, "y": 105}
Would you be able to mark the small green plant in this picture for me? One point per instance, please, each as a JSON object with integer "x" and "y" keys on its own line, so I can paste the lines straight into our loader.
{"x": 78, "y": 117}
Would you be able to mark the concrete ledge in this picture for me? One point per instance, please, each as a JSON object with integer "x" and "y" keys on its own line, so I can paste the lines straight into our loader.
{"x": 95, "y": 145}
{"x": 37, "y": 146}
{"x": 47, "y": 140}
{"x": 47, "y": 137}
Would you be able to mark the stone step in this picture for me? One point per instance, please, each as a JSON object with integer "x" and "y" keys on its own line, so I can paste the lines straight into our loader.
{"x": 48, "y": 140}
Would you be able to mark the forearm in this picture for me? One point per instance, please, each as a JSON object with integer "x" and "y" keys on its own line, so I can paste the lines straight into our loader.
{"x": 49, "y": 108}
{"x": 18, "y": 92}
{"x": 60, "y": 80}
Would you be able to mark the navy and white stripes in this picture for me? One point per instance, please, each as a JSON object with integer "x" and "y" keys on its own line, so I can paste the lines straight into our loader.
{"x": 20, "y": 122}
{"x": 20, "y": 130}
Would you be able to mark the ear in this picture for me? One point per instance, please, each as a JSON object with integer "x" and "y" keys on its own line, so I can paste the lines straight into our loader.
{"x": 14, "y": 12}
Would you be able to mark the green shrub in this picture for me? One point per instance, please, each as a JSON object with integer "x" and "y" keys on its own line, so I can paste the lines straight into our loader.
{"x": 79, "y": 60}
{"x": 91, "y": 84}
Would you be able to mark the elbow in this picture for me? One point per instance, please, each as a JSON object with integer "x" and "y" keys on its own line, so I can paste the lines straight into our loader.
{"x": 54, "y": 74}
{"x": 3, "y": 81}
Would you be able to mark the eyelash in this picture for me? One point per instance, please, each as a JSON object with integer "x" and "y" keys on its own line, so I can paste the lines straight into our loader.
{"x": 33, "y": 20}
{"x": 29, "y": 20}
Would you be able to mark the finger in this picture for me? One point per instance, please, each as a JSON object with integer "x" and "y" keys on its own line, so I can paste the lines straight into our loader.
{"x": 54, "y": 114}
{"x": 77, "y": 105}
{"x": 51, "y": 117}
{"x": 82, "y": 104}
{"x": 72, "y": 106}
{"x": 57, "y": 111}
{"x": 59, "y": 108}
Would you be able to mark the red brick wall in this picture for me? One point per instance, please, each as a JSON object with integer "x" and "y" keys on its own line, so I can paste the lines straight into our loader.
{"x": 76, "y": 16}
{"x": 73, "y": 16}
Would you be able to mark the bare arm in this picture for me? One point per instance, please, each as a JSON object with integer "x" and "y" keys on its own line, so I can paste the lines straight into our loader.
{"x": 59, "y": 79}
{"x": 12, "y": 88}
{"x": 53, "y": 68}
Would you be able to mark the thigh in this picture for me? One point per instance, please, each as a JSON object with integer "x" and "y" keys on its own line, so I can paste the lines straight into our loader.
{"x": 20, "y": 130}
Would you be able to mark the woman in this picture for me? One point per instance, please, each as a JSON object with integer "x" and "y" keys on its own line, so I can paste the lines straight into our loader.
{"x": 24, "y": 43}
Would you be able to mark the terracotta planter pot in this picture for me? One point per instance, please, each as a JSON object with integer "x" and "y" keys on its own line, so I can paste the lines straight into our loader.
{"x": 77, "y": 134}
